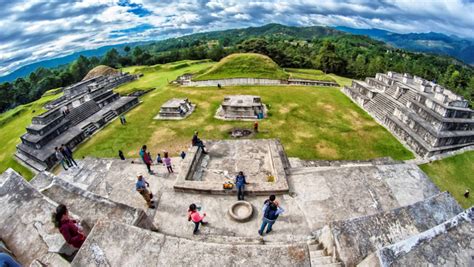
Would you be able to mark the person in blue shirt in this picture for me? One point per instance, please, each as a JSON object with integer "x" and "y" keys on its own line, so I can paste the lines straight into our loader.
{"x": 240, "y": 183}
{"x": 271, "y": 210}
{"x": 7, "y": 261}
{"x": 142, "y": 188}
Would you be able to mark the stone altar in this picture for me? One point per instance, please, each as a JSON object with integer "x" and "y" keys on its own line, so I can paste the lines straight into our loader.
{"x": 175, "y": 109}
{"x": 241, "y": 107}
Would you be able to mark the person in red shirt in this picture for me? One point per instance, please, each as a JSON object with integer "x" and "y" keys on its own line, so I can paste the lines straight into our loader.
{"x": 69, "y": 228}
{"x": 195, "y": 217}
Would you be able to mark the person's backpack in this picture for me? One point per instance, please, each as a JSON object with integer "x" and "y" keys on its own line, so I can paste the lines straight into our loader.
{"x": 270, "y": 212}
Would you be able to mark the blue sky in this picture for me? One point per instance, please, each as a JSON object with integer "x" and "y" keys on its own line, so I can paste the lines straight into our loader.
{"x": 32, "y": 30}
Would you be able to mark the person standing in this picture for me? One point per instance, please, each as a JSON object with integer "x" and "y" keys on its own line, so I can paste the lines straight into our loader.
{"x": 167, "y": 161}
{"x": 255, "y": 127}
{"x": 66, "y": 159}
{"x": 68, "y": 154}
{"x": 240, "y": 183}
{"x": 183, "y": 155}
{"x": 70, "y": 229}
{"x": 123, "y": 120}
{"x": 195, "y": 217}
{"x": 121, "y": 156}
{"x": 142, "y": 188}
{"x": 271, "y": 211}
{"x": 60, "y": 158}
{"x": 145, "y": 156}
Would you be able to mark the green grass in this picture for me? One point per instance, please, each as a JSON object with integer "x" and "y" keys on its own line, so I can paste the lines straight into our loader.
{"x": 311, "y": 122}
{"x": 12, "y": 126}
{"x": 245, "y": 65}
{"x": 308, "y": 74}
{"x": 454, "y": 174}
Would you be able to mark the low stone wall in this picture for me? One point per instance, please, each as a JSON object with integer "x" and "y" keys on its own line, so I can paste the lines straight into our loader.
{"x": 185, "y": 181}
{"x": 447, "y": 244}
{"x": 344, "y": 238}
{"x": 255, "y": 81}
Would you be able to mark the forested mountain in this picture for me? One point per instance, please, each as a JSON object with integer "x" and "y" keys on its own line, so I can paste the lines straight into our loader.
{"x": 298, "y": 47}
{"x": 431, "y": 42}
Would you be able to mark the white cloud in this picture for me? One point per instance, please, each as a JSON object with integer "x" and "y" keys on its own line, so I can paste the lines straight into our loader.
{"x": 36, "y": 30}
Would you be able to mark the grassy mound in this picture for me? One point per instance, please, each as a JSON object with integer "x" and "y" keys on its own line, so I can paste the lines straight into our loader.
{"x": 99, "y": 71}
{"x": 245, "y": 65}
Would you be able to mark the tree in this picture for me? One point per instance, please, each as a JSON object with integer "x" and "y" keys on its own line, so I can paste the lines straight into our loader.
{"x": 22, "y": 91}
{"x": 327, "y": 59}
{"x": 79, "y": 68}
{"x": 126, "y": 49}
{"x": 111, "y": 58}
{"x": 6, "y": 95}
{"x": 216, "y": 53}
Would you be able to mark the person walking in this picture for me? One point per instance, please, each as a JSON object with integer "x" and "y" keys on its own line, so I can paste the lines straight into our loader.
{"x": 240, "y": 183}
{"x": 195, "y": 217}
{"x": 70, "y": 229}
{"x": 142, "y": 188}
{"x": 271, "y": 211}
{"x": 145, "y": 156}
{"x": 167, "y": 161}
{"x": 67, "y": 152}
{"x": 60, "y": 158}
{"x": 183, "y": 155}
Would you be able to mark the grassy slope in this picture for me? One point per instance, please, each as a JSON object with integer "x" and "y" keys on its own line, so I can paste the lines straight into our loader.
{"x": 454, "y": 174}
{"x": 312, "y": 122}
{"x": 245, "y": 65}
{"x": 308, "y": 74}
{"x": 12, "y": 126}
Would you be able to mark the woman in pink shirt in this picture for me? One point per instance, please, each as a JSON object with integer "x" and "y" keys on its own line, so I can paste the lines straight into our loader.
{"x": 167, "y": 161}
{"x": 195, "y": 217}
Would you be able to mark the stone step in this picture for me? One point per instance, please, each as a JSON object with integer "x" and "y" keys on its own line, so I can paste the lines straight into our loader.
{"x": 114, "y": 243}
{"x": 336, "y": 264}
{"x": 89, "y": 206}
{"x": 317, "y": 253}
{"x": 316, "y": 261}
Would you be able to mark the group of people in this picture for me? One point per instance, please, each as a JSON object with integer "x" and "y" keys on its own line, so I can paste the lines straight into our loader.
{"x": 147, "y": 159}
{"x": 271, "y": 210}
{"x": 64, "y": 156}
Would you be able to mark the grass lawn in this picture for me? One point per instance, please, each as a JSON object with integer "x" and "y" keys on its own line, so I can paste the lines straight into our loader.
{"x": 243, "y": 65}
{"x": 311, "y": 122}
{"x": 308, "y": 74}
{"x": 12, "y": 126}
{"x": 454, "y": 174}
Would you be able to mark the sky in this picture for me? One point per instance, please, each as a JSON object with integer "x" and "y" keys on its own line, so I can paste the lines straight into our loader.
{"x": 31, "y": 30}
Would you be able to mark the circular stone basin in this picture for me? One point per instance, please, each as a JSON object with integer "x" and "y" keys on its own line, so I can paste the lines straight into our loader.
{"x": 237, "y": 133}
{"x": 241, "y": 211}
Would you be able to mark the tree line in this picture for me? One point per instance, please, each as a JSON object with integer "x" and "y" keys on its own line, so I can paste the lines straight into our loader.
{"x": 347, "y": 55}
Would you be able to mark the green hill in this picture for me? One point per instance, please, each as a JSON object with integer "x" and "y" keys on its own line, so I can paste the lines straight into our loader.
{"x": 244, "y": 65}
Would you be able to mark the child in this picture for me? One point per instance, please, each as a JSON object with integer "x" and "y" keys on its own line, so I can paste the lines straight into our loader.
{"x": 195, "y": 217}
{"x": 158, "y": 159}
{"x": 183, "y": 155}
{"x": 167, "y": 161}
